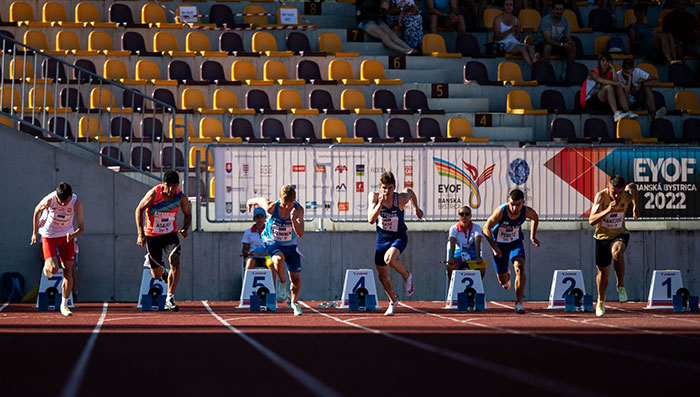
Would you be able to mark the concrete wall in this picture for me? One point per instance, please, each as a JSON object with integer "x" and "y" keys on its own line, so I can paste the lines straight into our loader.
{"x": 111, "y": 263}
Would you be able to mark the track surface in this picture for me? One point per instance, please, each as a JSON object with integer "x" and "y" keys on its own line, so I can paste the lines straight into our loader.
{"x": 213, "y": 346}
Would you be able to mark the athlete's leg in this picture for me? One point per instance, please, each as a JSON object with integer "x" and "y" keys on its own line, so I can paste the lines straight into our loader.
{"x": 618, "y": 255}
{"x": 386, "y": 282}
{"x": 278, "y": 264}
{"x": 174, "y": 275}
{"x": 67, "y": 286}
{"x": 391, "y": 258}
{"x": 602, "y": 281}
{"x": 51, "y": 266}
{"x": 520, "y": 278}
{"x": 295, "y": 280}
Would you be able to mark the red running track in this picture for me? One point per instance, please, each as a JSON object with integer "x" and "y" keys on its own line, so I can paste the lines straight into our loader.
{"x": 423, "y": 349}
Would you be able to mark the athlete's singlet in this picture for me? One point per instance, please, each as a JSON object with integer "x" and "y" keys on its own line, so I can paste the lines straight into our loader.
{"x": 162, "y": 214}
{"x": 613, "y": 224}
{"x": 57, "y": 219}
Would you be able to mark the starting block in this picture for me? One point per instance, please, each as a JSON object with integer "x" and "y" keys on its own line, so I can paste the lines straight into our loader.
{"x": 683, "y": 302}
{"x": 258, "y": 283}
{"x": 359, "y": 282}
{"x": 663, "y": 283}
{"x": 564, "y": 283}
{"x": 49, "y": 294}
{"x": 468, "y": 284}
{"x": 152, "y": 292}
{"x": 577, "y": 301}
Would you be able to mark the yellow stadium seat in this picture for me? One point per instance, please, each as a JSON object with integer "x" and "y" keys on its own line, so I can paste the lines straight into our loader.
{"x": 291, "y": 100}
{"x": 198, "y": 43}
{"x": 265, "y": 43}
{"x": 519, "y": 102}
{"x": 600, "y": 45}
{"x": 662, "y": 15}
{"x": 341, "y": 71}
{"x": 115, "y": 69}
{"x": 510, "y": 73}
{"x": 458, "y": 127}
{"x": 9, "y": 97}
{"x": 489, "y": 15}
{"x": 211, "y": 187}
{"x": 255, "y": 20}
{"x": 90, "y": 128}
{"x": 354, "y": 101}
{"x": 88, "y": 13}
{"x": 210, "y": 126}
{"x": 166, "y": 44}
{"x": 630, "y": 18}
{"x": 529, "y": 20}
{"x": 573, "y": 23}
{"x": 630, "y": 131}
{"x": 22, "y": 13}
{"x": 434, "y": 45}
{"x": 244, "y": 71}
{"x": 333, "y": 128}
{"x": 212, "y": 129}
{"x": 651, "y": 69}
{"x": 179, "y": 132}
{"x": 55, "y": 14}
{"x": 37, "y": 39}
{"x": 101, "y": 98}
{"x": 686, "y": 101}
{"x": 6, "y": 121}
{"x": 154, "y": 16}
{"x": 226, "y": 100}
{"x": 42, "y": 99}
{"x": 330, "y": 43}
{"x": 150, "y": 72}
{"x": 192, "y": 98}
{"x": 69, "y": 43}
{"x": 102, "y": 42}
{"x": 276, "y": 72}
{"x": 23, "y": 70}
{"x": 373, "y": 71}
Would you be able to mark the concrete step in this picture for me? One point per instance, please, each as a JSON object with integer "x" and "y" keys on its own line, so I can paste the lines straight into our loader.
{"x": 460, "y": 105}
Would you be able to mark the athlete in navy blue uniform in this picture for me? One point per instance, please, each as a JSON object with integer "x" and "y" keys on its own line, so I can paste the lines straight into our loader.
{"x": 284, "y": 225}
{"x": 387, "y": 210}
{"x": 504, "y": 227}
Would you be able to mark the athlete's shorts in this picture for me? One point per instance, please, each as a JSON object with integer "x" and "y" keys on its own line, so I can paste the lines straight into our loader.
{"x": 155, "y": 245}
{"x": 510, "y": 251}
{"x": 65, "y": 249}
{"x": 383, "y": 246}
{"x": 292, "y": 259}
{"x": 603, "y": 249}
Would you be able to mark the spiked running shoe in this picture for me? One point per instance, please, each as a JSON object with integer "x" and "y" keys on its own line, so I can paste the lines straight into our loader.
{"x": 408, "y": 284}
{"x": 66, "y": 311}
{"x": 600, "y": 309}
{"x": 170, "y": 305}
{"x": 519, "y": 308}
{"x": 392, "y": 307}
{"x": 622, "y": 294}
{"x": 297, "y": 309}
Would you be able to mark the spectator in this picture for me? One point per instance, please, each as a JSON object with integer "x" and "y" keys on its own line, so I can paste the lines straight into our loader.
{"x": 554, "y": 36}
{"x": 443, "y": 13}
{"x": 602, "y": 91}
{"x": 684, "y": 28}
{"x": 637, "y": 85}
{"x": 608, "y": 5}
{"x": 647, "y": 43}
{"x": 506, "y": 30}
{"x": 405, "y": 14}
{"x": 571, "y": 5}
{"x": 369, "y": 19}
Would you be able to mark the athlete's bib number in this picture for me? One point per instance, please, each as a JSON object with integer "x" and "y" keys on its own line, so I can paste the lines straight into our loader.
{"x": 508, "y": 234}
{"x": 613, "y": 220}
{"x": 390, "y": 223}
{"x": 281, "y": 233}
{"x": 163, "y": 223}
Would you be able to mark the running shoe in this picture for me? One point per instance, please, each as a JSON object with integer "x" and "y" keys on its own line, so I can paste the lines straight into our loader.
{"x": 661, "y": 112}
{"x": 392, "y": 307}
{"x": 519, "y": 308}
{"x": 408, "y": 285}
{"x": 170, "y": 305}
{"x": 600, "y": 309}
{"x": 631, "y": 115}
{"x": 66, "y": 311}
{"x": 619, "y": 116}
{"x": 622, "y": 294}
{"x": 297, "y": 309}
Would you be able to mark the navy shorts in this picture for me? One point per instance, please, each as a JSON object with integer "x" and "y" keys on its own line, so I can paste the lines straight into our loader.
{"x": 383, "y": 246}
{"x": 292, "y": 260}
{"x": 510, "y": 251}
{"x": 603, "y": 249}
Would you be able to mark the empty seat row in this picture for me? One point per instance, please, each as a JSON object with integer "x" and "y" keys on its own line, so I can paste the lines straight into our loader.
{"x": 627, "y": 130}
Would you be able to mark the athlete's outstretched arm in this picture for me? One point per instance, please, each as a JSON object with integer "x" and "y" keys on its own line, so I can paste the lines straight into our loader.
{"x": 532, "y": 215}
{"x": 631, "y": 189}
{"x": 185, "y": 205}
{"x": 261, "y": 202}
{"x": 37, "y": 212}
{"x": 146, "y": 202}
{"x": 407, "y": 195}
{"x": 376, "y": 206}
{"x": 297, "y": 216}
{"x": 79, "y": 220}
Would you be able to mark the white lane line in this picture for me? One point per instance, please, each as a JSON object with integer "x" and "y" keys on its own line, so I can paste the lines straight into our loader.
{"x": 4, "y": 305}
{"x": 72, "y": 387}
{"x": 122, "y": 318}
{"x": 594, "y": 321}
{"x": 540, "y": 382}
{"x": 582, "y": 345}
{"x": 241, "y": 318}
{"x": 314, "y": 385}
{"x": 648, "y": 313}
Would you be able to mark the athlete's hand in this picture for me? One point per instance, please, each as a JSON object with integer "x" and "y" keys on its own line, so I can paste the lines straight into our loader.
{"x": 497, "y": 252}
{"x": 183, "y": 233}
{"x": 535, "y": 241}
{"x": 68, "y": 237}
{"x": 380, "y": 198}
{"x": 612, "y": 205}
{"x": 419, "y": 213}
{"x": 33, "y": 239}
{"x": 141, "y": 240}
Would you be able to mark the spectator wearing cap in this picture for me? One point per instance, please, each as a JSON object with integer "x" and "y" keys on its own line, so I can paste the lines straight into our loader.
{"x": 637, "y": 85}
{"x": 253, "y": 249}
{"x": 554, "y": 36}
{"x": 684, "y": 28}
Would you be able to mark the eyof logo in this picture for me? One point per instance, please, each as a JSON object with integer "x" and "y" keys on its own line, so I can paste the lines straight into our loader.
{"x": 471, "y": 177}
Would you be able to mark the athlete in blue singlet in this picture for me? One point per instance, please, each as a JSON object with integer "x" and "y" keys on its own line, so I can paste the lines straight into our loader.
{"x": 504, "y": 227}
{"x": 282, "y": 229}
{"x": 387, "y": 210}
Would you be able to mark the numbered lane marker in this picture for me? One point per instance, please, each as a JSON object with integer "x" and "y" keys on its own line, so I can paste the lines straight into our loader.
{"x": 252, "y": 281}
{"x": 54, "y": 284}
{"x": 664, "y": 284}
{"x": 564, "y": 282}
{"x": 148, "y": 283}
{"x": 460, "y": 282}
{"x": 358, "y": 278}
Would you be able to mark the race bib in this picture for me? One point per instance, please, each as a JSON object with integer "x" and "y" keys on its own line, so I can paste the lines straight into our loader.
{"x": 61, "y": 219}
{"x": 390, "y": 224}
{"x": 281, "y": 232}
{"x": 163, "y": 223}
{"x": 508, "y": 234}
{"x": 613, "y": 220}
